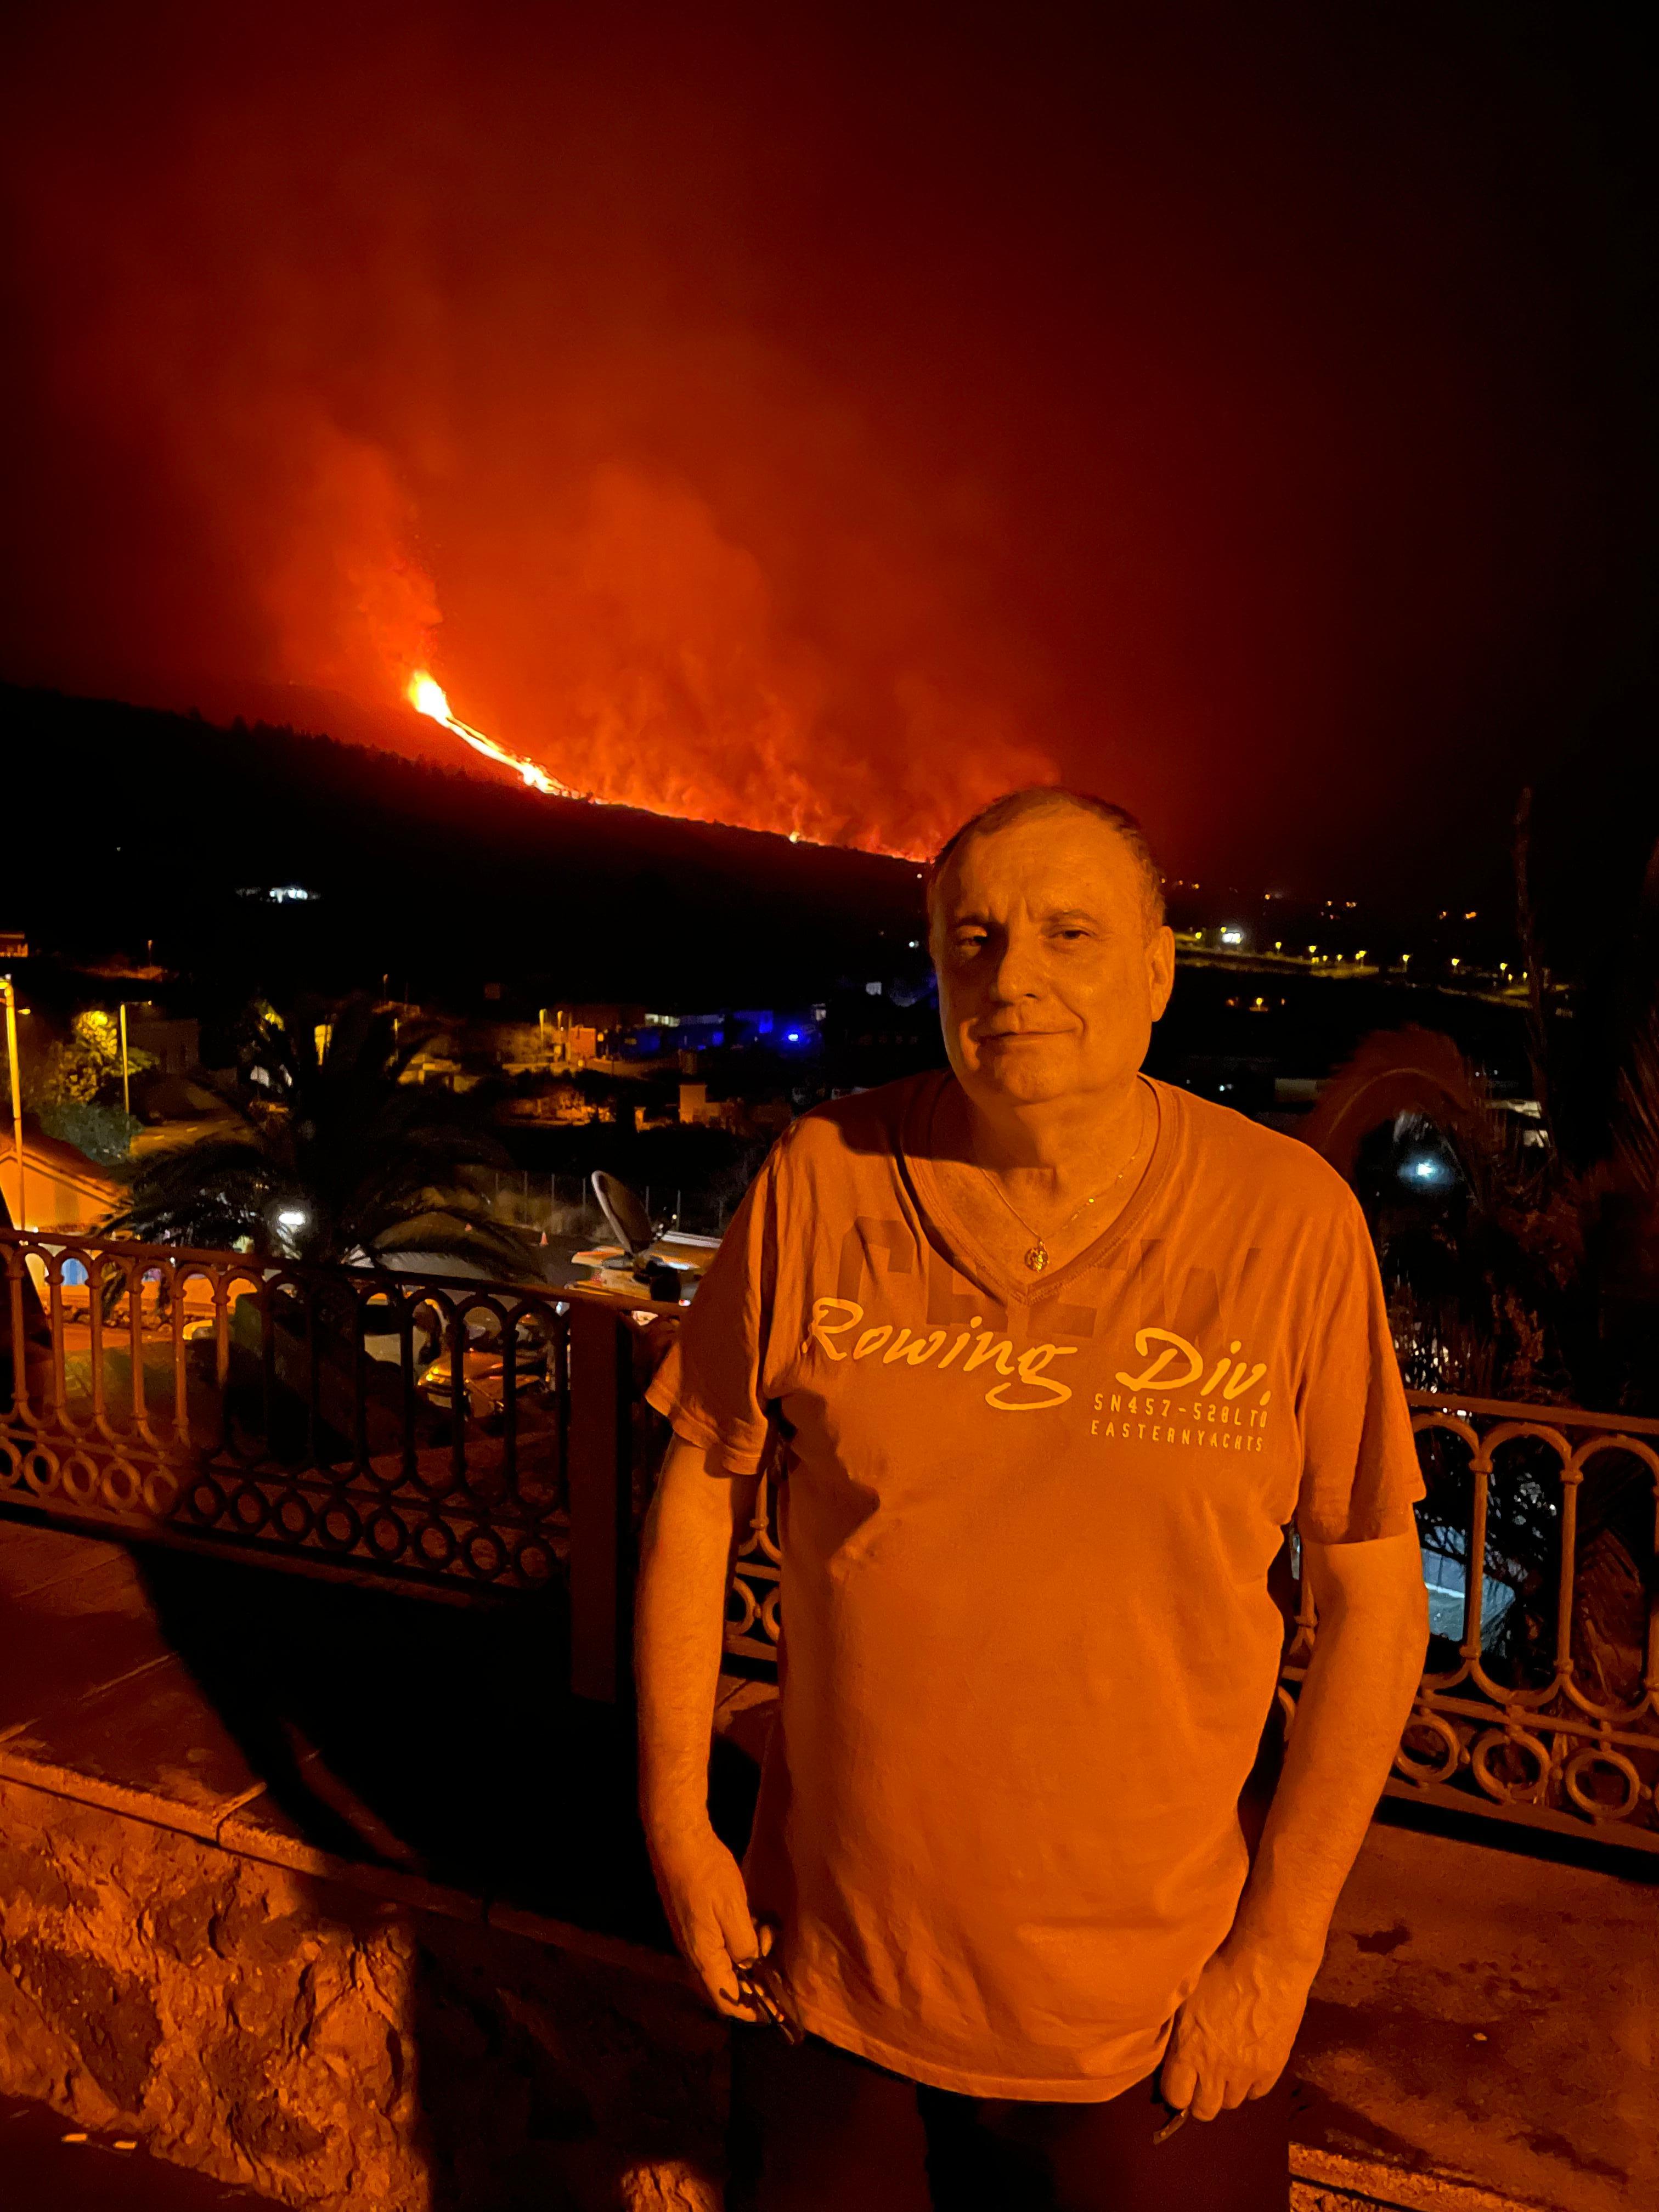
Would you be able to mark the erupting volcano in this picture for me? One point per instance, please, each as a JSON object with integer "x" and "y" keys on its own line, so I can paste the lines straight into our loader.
{"x": 820, "y": 426}
{"x": 427, "y": 696}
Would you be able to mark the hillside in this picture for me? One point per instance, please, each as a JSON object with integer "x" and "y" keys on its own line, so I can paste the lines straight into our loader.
{"x": 127, "y": 824}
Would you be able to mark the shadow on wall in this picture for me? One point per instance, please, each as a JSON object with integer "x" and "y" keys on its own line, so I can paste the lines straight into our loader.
{"x": 440, "y": 1742}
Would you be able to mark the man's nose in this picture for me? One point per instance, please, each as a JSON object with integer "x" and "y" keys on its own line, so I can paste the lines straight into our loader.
{"x": 1014, "y": 975}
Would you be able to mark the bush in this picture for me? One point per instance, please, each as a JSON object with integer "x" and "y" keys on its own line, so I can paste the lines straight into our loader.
{"x": 104, "y": 1133}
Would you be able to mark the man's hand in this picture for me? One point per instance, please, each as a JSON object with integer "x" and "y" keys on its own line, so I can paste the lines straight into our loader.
{"x": 708, "y": 1907}
{"x": 1233, "y": 2035}
{"x": 692, "y": 1523}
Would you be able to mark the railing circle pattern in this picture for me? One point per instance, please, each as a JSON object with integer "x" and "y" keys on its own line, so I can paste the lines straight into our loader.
{"x": 410, "y": 1426}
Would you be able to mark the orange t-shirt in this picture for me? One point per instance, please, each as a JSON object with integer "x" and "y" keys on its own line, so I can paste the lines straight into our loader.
{"x": 1028, "y": 1646}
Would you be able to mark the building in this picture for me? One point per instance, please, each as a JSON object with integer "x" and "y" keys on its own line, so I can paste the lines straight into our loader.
{"x": 62, "y": 1188}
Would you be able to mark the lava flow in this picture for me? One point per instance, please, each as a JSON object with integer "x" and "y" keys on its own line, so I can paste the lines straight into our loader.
{"x": 425, "y": 696}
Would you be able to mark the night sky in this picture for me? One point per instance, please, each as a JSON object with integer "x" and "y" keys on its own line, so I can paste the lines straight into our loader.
{"x": 825, "y": 418}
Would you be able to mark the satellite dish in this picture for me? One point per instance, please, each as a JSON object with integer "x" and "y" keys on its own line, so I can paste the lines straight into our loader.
{"x": 624, "y": 1210}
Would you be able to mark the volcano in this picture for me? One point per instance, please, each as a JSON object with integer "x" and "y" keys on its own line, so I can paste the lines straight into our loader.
{"x": 141, "y": 825}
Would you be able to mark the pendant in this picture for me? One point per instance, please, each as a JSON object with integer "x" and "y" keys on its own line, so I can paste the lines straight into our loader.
{"x": 1037, "y": 1258}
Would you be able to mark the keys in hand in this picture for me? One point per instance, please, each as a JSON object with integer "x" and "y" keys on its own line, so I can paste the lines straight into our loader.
{"x": 761, "y": 1985}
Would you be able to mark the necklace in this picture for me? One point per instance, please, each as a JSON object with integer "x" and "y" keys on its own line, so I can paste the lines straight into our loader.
{"x": 1038, "y": 1258}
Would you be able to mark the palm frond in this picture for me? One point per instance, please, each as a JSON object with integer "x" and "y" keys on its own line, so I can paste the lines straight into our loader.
{"x": 328, "y": 1127}
{"x": 1636, "y": 1114}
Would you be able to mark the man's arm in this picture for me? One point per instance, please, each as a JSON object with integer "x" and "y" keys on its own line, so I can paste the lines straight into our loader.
{"x": 1233, "y": 2036}
{"x": 694, "y": 1523}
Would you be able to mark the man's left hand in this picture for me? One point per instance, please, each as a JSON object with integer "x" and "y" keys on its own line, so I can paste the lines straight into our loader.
{"x": 1233, "y": 2035}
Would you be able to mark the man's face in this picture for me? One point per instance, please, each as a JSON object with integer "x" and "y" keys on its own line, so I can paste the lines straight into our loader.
{"x": 1048, "y": 985}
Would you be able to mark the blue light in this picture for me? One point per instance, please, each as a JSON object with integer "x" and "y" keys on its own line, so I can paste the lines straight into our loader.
{"x": 1425, "y": 1168}
{"x": 792, "y": 1037}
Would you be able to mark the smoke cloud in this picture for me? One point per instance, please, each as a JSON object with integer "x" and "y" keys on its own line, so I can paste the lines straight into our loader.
{"x": 822, "y": 422}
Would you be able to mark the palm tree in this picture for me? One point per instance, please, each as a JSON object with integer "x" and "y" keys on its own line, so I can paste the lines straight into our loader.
{"x": 1538, "y": 1280}
{"x": 1486, "y": 1282}
{"x": 329, "y": 1155}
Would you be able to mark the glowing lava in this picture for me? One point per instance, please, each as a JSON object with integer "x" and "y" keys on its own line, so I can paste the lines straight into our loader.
{"x": 425, "y": 696}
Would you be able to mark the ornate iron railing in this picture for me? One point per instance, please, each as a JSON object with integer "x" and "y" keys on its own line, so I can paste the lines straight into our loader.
{"x": 753, "y": 1624}
{"x": 1540, "y": 1702}
{"x": 405, "y": 1426}
{"x": 465, "y": 1438}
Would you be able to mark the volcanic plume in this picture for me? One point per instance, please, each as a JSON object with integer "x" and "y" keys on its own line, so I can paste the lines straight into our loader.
{"x": 821, "y": 420}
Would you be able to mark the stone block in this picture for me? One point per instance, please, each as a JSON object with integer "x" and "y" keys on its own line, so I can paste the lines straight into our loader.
{"x": 331, "y": 2049}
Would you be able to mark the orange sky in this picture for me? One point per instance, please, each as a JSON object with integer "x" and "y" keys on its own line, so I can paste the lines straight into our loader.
{"x": 822, "y": 420}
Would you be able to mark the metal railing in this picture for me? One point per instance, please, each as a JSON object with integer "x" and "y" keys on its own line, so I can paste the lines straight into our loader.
{"x": 463, "y": 1439}
{"x": 1540, "y": 1702}
{"x": 753, "y": 1622}
{"x": 470, "y": 1439}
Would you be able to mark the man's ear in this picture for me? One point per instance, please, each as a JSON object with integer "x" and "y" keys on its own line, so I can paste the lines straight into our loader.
{"x": 1160, "y": 969}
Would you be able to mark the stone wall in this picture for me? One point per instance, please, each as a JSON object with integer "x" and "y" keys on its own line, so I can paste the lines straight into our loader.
{"x": 331, "y": 2050}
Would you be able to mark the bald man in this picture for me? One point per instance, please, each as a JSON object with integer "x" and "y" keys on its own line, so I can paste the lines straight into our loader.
{"x": 1047, "y": 1358}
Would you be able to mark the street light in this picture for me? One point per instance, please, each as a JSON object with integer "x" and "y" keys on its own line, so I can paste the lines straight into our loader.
{"x": 126, "y": 1087}
{"x": 16, "y": 1095}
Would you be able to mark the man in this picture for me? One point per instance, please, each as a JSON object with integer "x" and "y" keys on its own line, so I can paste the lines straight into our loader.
{"x": 1048, "y": 1356}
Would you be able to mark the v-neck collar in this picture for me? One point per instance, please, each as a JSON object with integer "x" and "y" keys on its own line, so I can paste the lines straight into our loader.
{"x": 964, "y": 1254}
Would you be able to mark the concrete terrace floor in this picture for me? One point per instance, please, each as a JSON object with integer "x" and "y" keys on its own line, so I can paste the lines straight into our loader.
{"x": 1490, "y": 2019}
{"x": 1483, "y": 2035}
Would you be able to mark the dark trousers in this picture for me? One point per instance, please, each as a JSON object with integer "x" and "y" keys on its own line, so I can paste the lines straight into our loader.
{"x": 816, "y": 2130}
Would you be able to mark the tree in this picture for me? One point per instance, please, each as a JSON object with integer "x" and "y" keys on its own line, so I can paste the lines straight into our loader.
{"x": 1530, "y": 1277}
{"x": 73, "y": 1087}
{"x": 336, "y": 1158}
{"x": 1533, "y": 1278}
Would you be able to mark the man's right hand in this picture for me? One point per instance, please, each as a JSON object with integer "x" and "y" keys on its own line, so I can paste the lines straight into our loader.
{"x": 703, "y": 1892}
{"x": 695, "y": 1520}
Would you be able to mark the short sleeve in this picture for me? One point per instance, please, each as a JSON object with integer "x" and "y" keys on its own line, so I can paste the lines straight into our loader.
{"x": 1359, "y": 1472}
{"x": 712, "y": 1387}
